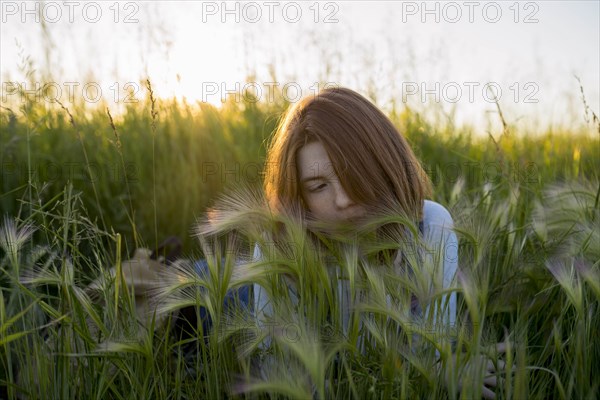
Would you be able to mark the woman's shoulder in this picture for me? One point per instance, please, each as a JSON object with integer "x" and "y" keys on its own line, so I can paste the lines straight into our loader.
{"x": 435, "y": 214}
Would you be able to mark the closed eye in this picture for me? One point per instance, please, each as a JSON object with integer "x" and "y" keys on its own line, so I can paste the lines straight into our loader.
{"x": 317, "y": 188}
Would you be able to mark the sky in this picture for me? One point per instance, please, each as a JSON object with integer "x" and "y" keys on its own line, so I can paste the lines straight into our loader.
{"x": 446, "y": 59}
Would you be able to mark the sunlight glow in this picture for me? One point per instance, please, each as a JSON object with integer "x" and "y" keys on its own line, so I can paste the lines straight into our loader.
{"x": 396, "y": 52}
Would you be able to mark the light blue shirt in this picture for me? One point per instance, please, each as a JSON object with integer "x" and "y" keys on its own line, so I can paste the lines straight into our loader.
{"x": 440, "y": 259}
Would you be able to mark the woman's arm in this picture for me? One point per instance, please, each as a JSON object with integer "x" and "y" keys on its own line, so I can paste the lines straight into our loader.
{"x": 442, "y": 252}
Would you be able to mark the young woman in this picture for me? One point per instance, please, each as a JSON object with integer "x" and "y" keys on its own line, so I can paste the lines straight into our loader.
{"x": 339, "y": 167}
{"x": 337, "y": 159}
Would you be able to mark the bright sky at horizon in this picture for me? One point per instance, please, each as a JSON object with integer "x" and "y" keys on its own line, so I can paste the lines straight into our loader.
{"x": 442, "y": 58}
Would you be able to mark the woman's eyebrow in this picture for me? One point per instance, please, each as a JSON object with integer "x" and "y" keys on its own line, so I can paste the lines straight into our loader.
{"x": 313, "y": 178}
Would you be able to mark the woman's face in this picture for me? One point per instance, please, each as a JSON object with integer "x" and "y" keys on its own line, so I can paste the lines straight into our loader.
{"x": 321, "y": 188}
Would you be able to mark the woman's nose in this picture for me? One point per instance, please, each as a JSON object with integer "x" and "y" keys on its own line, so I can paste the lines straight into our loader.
{"x": 342, "y": 200}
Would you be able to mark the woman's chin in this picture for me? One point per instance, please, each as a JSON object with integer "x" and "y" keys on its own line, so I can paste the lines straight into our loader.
{"x": 341, "y": 229}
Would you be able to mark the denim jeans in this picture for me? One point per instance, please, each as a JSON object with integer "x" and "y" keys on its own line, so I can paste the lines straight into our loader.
{"x": 236, "y": 298}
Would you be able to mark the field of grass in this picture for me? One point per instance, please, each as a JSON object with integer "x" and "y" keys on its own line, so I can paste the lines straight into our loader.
{"x": 79, "y": 193}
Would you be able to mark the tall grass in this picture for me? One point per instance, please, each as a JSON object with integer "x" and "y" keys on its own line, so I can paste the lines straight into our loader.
{"x": 533, "y": 286}
{"x": 201, "y": 151}
{"x": 82, "y": 189}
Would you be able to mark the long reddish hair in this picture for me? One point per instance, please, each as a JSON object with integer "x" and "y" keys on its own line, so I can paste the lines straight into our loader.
{"x": 374, "y": 162}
